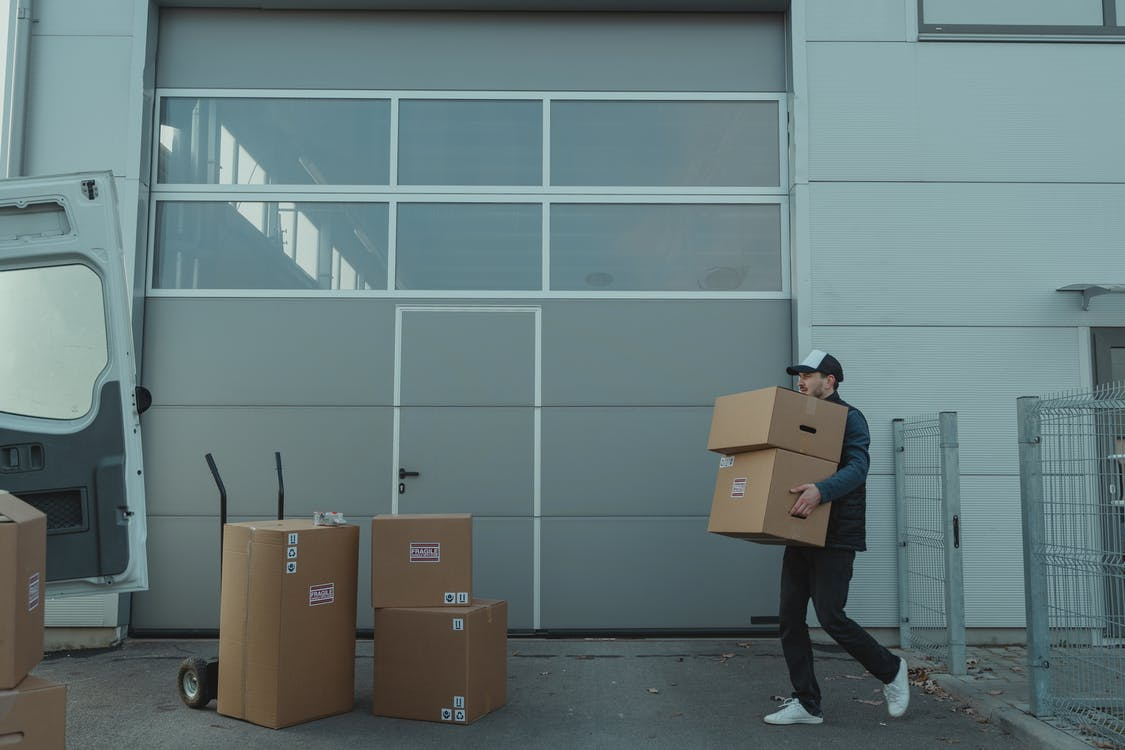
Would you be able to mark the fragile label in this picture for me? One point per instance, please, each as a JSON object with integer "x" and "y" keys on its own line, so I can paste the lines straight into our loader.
{"x": 32, "y": 592}
{"x": 291, "y": 567}
{"x": 322, "y": 593}
{"x": 293, "y": 538}
{"x": 738, "y": 487}
{"x": 726, "y": 462}
{"x": 425, "y": 552}
{"x": 447, "y": 714}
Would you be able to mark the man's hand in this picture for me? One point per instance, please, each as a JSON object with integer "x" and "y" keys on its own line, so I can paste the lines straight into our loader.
{"x": 808, "y": 497}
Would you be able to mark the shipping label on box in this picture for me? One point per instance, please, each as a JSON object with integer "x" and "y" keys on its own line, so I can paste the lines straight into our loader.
{"x": 287, "y": 621}
{"x": 440, "y": 664}
{"x": 421, "y": 560}
{"x": 752, "y": 499}
{"x": 777, "y": 418}
{"x": 23, "y": 562}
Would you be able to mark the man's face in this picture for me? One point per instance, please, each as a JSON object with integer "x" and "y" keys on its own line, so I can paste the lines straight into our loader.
{"x": 815, "y": 384}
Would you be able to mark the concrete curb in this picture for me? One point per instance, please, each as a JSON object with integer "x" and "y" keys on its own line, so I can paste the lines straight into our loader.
{"x": 1035, "y": 732}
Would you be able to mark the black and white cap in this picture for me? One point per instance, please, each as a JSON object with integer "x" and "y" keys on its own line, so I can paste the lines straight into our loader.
{"x": 819, "y": 361}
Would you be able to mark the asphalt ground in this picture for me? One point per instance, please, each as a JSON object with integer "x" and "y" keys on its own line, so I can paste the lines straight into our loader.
{"x": 562, "y": 693}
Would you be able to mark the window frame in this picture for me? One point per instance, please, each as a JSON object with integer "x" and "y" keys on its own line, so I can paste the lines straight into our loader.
{"x": 1110, "y": 30}
{"x": 543, "y": 194}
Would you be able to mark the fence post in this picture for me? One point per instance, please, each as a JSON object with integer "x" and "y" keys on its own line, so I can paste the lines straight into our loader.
{"x": 951, "y": 511}
{"x": 899, "y": 429}
{"x": 1034, "y": 533}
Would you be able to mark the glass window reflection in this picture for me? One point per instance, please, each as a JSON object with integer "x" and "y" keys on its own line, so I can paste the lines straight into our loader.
{"x": 270, "y": 245}
{"x": 665, "y": 144}
{"x": 484, "y": 246}
{"x": 220, "y": 141}
{"x": 681, "y": 247}
{"x": 456, "y": 142}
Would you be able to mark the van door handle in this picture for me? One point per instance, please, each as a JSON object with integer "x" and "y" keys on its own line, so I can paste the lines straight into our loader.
{"x": 403, "y": 473}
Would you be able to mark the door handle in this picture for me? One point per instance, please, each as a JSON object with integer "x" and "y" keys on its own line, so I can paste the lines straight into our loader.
{"x": 403, "y": 473}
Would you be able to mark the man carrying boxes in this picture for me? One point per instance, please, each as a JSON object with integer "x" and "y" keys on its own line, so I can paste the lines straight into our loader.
{"x": 820, "y": 542}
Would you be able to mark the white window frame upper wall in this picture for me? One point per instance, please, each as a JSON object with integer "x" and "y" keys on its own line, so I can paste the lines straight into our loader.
{"x": 1110, "y": 29}
{"x": 542, "y": 194}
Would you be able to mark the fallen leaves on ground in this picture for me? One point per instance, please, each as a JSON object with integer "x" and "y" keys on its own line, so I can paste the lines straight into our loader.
{"x": 743, "y": 644}
{"x": 724, "y": 658}
{"x": 654, "y": 691}
{"x": 869, "y": 703}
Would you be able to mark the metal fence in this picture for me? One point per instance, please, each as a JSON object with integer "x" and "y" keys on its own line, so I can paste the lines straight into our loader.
{"x": 928, "y": 516}
{"x": 1072, "y": 455}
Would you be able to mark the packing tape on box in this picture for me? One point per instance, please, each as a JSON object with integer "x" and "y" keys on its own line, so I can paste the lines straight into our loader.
{"x": 328, "y": 518}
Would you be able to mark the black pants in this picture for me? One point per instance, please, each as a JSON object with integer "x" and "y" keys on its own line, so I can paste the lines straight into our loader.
{"x": 823, "y": 575}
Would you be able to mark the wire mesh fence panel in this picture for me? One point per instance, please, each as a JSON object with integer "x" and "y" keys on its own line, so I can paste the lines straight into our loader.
{"x": 928, "y": 505}
{"x": 1072, "y": 467}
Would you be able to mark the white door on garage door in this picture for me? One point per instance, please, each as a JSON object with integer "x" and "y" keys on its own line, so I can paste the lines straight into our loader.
{"x": 467, "y": 436}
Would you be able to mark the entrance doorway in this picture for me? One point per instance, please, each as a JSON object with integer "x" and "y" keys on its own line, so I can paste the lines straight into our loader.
{"x": 467, "y": 437}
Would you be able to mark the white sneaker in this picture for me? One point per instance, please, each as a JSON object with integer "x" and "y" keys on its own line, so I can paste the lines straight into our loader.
{"x": 792, "y": 712}
{"x": 897, "y": 691}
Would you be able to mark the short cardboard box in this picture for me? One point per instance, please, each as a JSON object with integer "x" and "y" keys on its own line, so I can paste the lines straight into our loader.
{"x": 752, "y": 499}
{"x": 287, "y": 621}
{"x": 777, "y": 418}
{"x": 440, "y": 663}
{"x": 23, "y": 562}
{"x": 421, "y": 560}
{"x": 33, "y": 715}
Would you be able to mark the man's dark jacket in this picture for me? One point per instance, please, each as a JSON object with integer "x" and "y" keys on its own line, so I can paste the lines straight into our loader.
{"x": 846, "y": 490}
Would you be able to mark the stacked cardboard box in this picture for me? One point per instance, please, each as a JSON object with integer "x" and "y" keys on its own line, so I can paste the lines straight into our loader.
{"x": 32, "y": 710}
{"x": 440, "y": 655}
{"x": 772, "y": 439}
{"x": 287, "y": 621}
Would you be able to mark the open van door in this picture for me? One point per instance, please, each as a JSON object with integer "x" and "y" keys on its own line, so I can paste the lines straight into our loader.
{"x": 70, "y": 441}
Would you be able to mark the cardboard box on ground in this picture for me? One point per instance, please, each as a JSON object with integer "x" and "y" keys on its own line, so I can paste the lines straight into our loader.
{"x": 23, "y": 563}
{"x": 287, "y": 621}
{"x": 446, "y": 664}
{"x": 772, "y": 439}
{"x": 440, "y": 655}
{"x": 32, "y": 710}
{"x": 33, "y": 715}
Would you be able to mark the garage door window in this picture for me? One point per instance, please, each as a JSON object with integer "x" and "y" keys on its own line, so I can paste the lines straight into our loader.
{"x": 459, "y": 194}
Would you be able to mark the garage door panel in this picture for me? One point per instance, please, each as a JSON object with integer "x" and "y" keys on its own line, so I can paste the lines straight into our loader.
{"x": 614, "y": 573}
{"x": 331, "y": 460}
{"x": 662, "y": 353}
{"x": 627, "y": 461}
{"x": 502, "y": 566}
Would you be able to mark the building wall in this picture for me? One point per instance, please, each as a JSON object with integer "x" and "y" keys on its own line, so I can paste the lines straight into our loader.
{"x": 942, "y": 191}
{"x": 953, "y": 186}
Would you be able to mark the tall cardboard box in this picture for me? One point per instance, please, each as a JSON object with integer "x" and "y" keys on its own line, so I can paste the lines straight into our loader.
{"x": 33, "y": 715}
{"x": 422, "y": 560}
{"x": 445, "y": 664}
{"x": 777, "y": 418}
{"x": 752, "y": 499}
{"x": 287, "y": 621}
{"x": 23, "y": 561}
